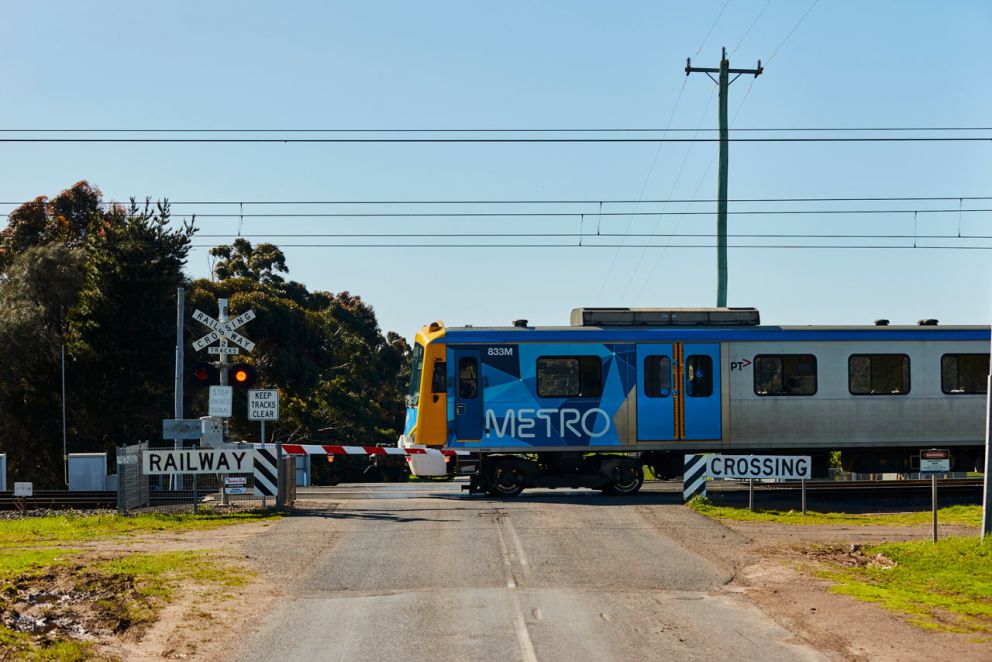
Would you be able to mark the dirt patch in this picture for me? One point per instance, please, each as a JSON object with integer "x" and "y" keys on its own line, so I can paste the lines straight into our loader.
{"x": 120, "y": 616}
{"x": 68, "y": 602}
{"x": 777, "y": 567}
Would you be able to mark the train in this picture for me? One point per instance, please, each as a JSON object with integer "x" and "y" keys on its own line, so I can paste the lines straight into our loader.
{"x": 620, "y": 389}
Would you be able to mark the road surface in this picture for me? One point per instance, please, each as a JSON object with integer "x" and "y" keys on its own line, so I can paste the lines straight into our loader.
{"x": 420, "y": 572}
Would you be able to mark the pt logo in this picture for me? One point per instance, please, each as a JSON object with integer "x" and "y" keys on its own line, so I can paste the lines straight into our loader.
{"x": 739, "y": 365}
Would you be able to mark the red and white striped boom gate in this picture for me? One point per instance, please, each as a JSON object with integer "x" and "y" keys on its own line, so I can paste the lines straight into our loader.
{"x": 320, "y": 449}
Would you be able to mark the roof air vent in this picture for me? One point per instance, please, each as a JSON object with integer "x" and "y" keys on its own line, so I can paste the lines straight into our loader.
{"x": 520, "y": 324}
{"x": 881, "y": 322}
{"x": 928, "y": 322}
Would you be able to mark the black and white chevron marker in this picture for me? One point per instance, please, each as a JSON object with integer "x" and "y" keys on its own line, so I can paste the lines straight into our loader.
{"x": 266, "y": 481}
{"x": 694, "y": 477}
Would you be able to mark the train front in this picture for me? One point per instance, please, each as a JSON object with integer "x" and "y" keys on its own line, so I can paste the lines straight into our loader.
{"x": 427, "y": 403}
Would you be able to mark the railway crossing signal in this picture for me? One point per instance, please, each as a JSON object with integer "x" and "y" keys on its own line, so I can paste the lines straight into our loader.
{"x": 223, "y": 332}
{"x": 242, "y": 376}
{"x": 204, "y": 374}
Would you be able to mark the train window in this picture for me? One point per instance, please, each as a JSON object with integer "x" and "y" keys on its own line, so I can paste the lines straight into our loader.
{"x": 657, "y": 376}
{"x": 964, "y": 373}
{"x": 468, "y": 377}
{"x": 439, "y": 379}
{"x": 878, "y": 374}
{"x": 698, "y": 376}
{"x": 570, "y": 377}
{"x": 416, "y": 367}
{"x": 785, "y": 374}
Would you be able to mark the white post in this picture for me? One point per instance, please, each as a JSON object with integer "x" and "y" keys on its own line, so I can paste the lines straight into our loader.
{"x": 933, "y": 499}
{"x": 65, "y": 452}
{"x": 222, "y": 318}
{"x": 987, "y": 500}
{"x": 180, "y": 347}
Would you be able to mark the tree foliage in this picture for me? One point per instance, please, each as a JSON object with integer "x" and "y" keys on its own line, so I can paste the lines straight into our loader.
{"x": 341, "y": 379}
{"x": 101, "y": 281}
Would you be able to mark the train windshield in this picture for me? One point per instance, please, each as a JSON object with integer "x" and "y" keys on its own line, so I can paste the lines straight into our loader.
{"x": 416, "y": 368}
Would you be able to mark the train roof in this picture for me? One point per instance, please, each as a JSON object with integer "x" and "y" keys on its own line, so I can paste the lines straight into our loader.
{"x": 510, "y": 334}
{"x": 614, "y": 325}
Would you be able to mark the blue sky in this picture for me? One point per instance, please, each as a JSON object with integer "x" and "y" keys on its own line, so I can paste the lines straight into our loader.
{"x": 523, "y": 65}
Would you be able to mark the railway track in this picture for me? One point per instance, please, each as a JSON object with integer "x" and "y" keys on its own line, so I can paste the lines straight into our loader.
{"x": 58, "y": 500}
{"x": 849, "y": 490}
{"x": 65, "y": 500}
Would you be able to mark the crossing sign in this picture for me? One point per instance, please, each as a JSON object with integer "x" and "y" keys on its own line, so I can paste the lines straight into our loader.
{"x": 223, "y": 332}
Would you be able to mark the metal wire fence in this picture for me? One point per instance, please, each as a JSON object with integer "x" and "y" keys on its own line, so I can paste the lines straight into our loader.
{"x": 191, "y": 492}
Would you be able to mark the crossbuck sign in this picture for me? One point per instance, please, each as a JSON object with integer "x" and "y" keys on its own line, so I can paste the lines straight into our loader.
{"x": 224, "y": 332}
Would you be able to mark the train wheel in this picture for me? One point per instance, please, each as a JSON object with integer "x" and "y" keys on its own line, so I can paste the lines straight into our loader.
{"x": 625, "y": 477}
{"x": 507, "y": 480}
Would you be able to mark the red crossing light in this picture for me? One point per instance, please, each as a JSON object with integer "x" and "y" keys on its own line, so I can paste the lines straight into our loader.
{"x": 204, "y": 374}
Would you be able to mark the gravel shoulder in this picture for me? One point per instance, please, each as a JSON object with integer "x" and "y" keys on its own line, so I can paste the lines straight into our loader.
{"x": 776, "y": 567}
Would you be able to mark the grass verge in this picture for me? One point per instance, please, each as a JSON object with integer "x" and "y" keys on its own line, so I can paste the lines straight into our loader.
{"x": 70, "y": 527}
{"x": 50, "y": 590}
{"x": 944, "y": 586}
{"x": 959, "y": 515}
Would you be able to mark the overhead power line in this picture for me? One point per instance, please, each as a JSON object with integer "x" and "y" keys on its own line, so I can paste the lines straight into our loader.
{"x": 522, "y": 130}
{"x": 574, "y": 214}
{"x": 673, "y": 246}
{"x": 590, "y": 201}
{"x": 576, "y": 235}
{"x": 859, "y": 139}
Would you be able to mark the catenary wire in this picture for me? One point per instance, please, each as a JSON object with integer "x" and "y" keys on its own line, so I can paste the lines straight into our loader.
{"x": 791, "y": 139}
{"x": 523, "y": 130}
{"x": 544, "y": 202}
{"x": 673, "y": 246}
{"x": 572, "y": 214}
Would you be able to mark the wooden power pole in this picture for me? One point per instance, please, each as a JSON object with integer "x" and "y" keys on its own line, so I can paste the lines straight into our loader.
{"x": 724, "y": 82}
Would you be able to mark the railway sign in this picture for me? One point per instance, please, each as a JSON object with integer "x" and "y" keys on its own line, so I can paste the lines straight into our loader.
{"x": 263, "y": 405}
{"x": 223, "y": 349}
{"x": 935, "y": 461}
{"x": 223, "y": 331}
{"x": 197, "y": 461}
{"x": 220, "y": 401}
{"x": 779, "y": 467}
{"x": 236, "y": 485}
{"x": 23, "y": 489}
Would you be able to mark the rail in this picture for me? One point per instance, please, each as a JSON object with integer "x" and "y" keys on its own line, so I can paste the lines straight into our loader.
{"x": 59, "y": 500}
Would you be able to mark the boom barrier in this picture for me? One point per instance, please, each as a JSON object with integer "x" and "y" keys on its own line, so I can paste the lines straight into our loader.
{"x": 319, "y": 449}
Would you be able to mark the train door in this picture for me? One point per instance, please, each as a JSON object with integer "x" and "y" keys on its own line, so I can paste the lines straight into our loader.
{"x": 468, "y": 395}
{"x": 678, "y": 392}
{"x": 701, "y": 384}
{"x": 656, "y": 393}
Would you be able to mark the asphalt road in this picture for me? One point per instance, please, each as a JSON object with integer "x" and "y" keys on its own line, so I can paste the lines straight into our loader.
{"x": 418, "y": 572}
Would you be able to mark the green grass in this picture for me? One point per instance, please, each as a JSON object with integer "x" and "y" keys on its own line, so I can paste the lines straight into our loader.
{"x": 18, "y": 646}
{"x": 58, "y": 529}
{"x": 945, "y": 586}
{"x": 17, "y": 562}
{"x": 146, "y": 582}
{"x": 960, "y": 515}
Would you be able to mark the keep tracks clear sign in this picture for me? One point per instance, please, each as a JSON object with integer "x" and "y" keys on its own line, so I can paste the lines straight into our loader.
{"x": 263, "y": 405}
{"x": 198, "y": 461}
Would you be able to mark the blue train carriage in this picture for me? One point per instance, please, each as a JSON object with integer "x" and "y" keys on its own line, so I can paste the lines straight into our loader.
{"x": 592, "y": 403}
